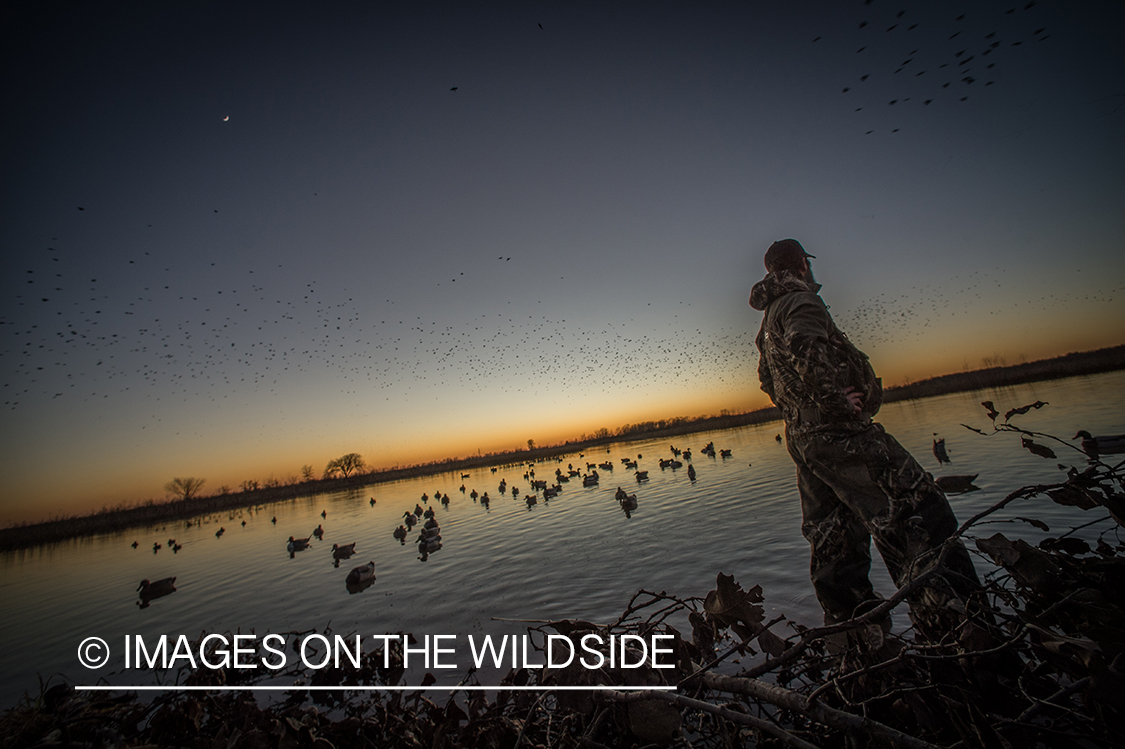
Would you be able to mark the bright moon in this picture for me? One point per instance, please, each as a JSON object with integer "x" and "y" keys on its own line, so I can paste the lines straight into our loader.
{"x": 226, "y": 118}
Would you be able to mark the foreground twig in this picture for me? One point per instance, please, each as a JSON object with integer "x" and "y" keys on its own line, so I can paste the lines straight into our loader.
{"x": 723, "y": 712}
{"x": 817, "y": 711}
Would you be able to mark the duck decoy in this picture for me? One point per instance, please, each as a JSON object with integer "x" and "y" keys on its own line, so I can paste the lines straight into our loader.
{"x": 319, "y": 533}
{"x": 343, "y": 552}
{"x": 629, "y": 503}
{"x": 297, "y": 544}
{"x": 400, "y": 533}
{"x": 148, "y": 591}
{"x": 940, "y": 453}
{"x": 1109, "y": 443}
{"x": 372, "y": 501}
{"x": 361, "y": 574}
{"x": 956, "y": 484}
{"x": 160, "y": 587}
{"x": 430, "y": 545}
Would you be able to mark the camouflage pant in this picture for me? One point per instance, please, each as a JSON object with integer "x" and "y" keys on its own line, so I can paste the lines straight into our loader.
{"x": 856, "y": 485}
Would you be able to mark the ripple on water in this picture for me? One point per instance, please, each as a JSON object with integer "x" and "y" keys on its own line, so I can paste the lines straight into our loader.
{"x": 577, "y": 556}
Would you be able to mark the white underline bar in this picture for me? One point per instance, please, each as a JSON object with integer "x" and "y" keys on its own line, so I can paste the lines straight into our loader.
{"x": 432, "y": 688}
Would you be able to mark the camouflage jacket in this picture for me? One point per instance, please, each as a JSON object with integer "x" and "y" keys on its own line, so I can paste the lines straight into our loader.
{"x": 806, "y": 363}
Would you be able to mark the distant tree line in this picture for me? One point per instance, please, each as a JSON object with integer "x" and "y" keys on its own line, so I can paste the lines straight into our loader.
{"x": 348, "y": 471}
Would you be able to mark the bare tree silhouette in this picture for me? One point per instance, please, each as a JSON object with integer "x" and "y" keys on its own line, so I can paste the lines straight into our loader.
{"x": 344, "y": 465}
{"x": 184, "y": 488}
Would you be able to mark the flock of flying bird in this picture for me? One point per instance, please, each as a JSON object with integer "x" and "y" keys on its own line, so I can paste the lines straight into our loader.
{"x": 161, "y": 336}
{"x": 911, "y": 57}
{"x": 158, "y": 329}
{"x": 168, "y": 331}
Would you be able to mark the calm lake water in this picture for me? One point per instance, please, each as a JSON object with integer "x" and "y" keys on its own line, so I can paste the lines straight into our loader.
{"x": 577, "y": 556}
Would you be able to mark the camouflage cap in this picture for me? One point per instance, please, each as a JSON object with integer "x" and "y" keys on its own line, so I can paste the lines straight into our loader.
{"x": 785, "y": 254}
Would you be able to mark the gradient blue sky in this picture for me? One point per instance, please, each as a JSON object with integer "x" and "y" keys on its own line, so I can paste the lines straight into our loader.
{"x": 239, "y": 238}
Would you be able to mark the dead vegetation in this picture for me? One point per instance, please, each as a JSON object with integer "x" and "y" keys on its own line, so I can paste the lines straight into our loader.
{"x": 1045, "y": 667}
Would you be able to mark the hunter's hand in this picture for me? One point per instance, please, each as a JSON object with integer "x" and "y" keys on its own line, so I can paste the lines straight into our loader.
{"x": 855, "y": 398}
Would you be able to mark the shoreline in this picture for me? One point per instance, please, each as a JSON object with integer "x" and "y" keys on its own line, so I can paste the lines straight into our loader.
{"x": 109, "y": 521}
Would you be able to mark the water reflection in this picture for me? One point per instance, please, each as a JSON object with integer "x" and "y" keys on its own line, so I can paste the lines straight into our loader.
{"x": 359, "y": 587}
{"x": 958, "y": 484}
